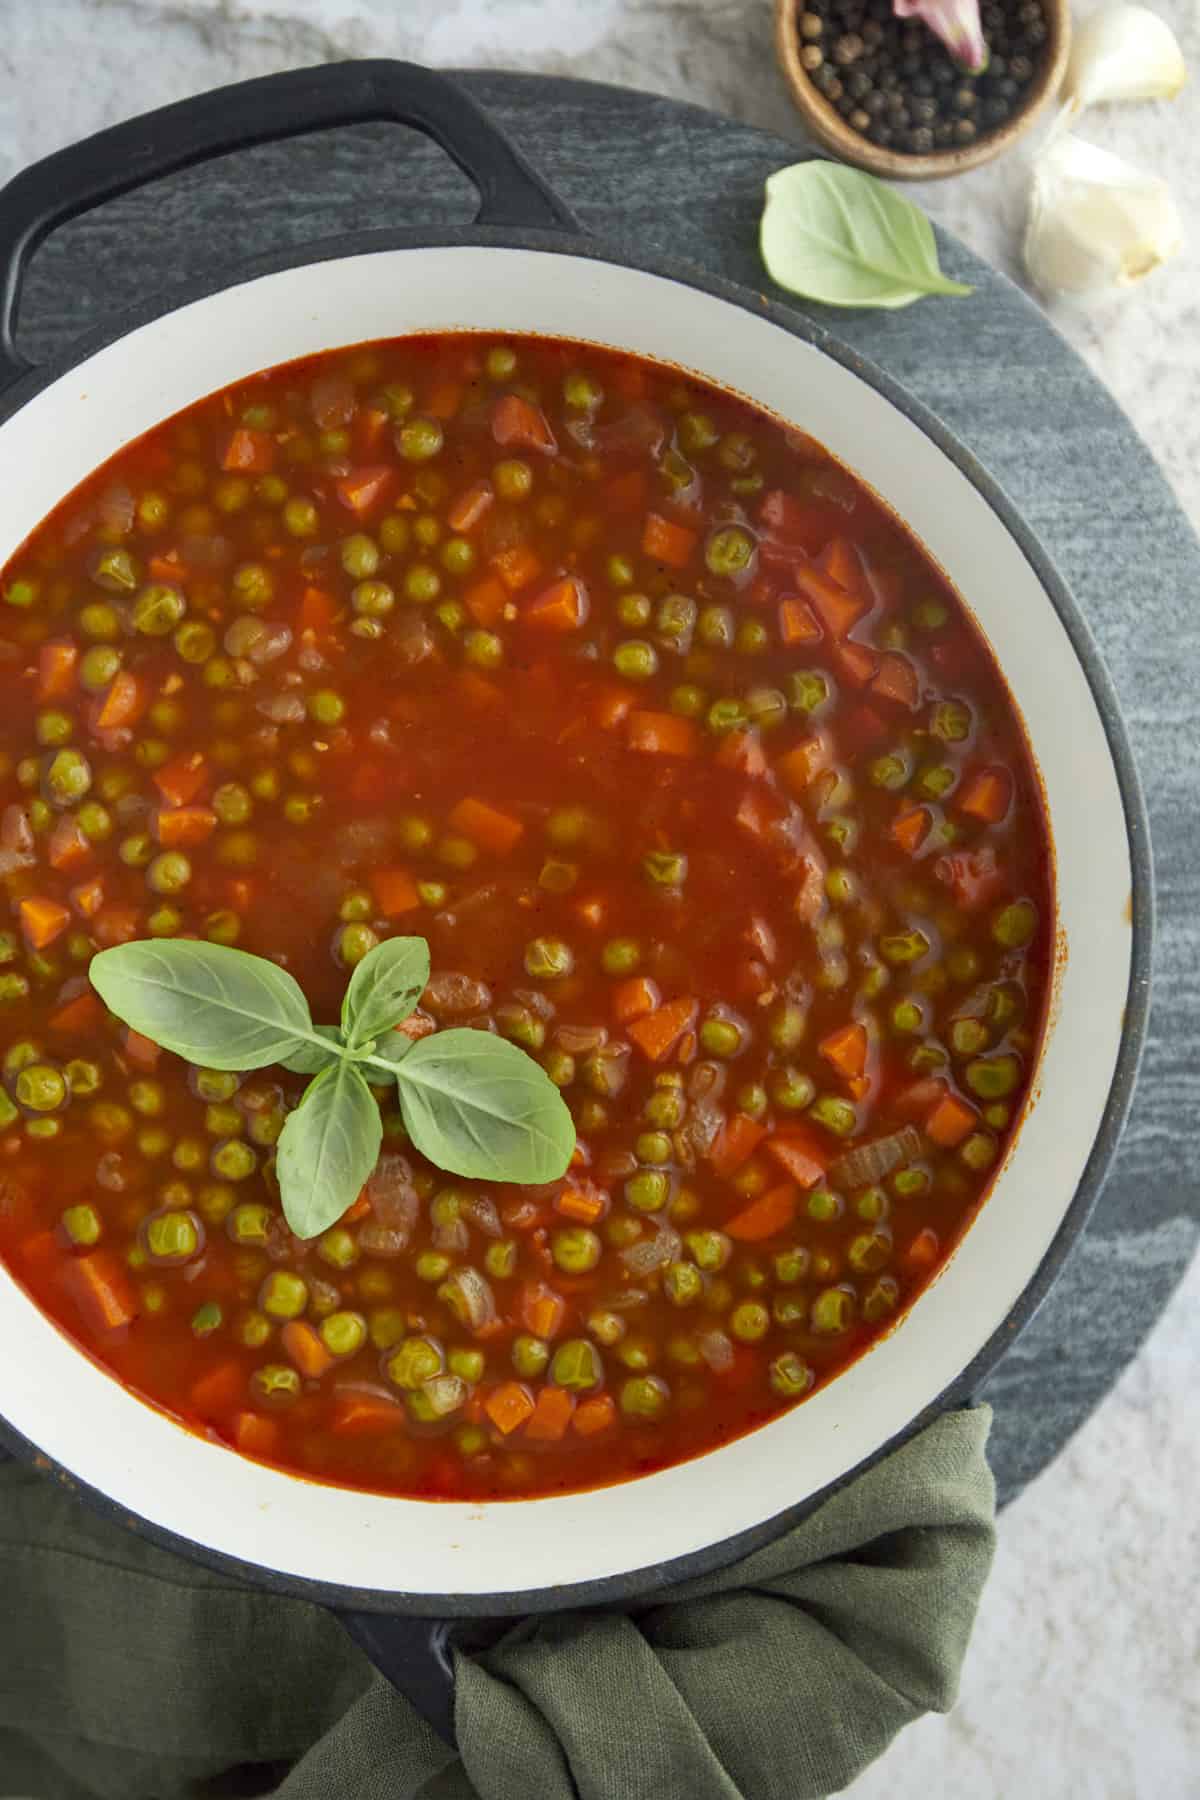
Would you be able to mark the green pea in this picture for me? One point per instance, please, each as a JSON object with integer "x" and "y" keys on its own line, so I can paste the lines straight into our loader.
{"x": 275, "y": 1384}
{"x": 395, "y": 534}
{"x": 82, "y": 1225}
{"x": 298, "y": 809}
{"x": 422, "y": 584}
{"x": 169, "y": 873}
{"x": 500, "y": 1259}
{"x": 67, "y": 778}
{"x": 83, "y": 1077}
{"x": 337, "y": 1247}
{"x": 116, "y": 570}
{"x": 653, "y": 1147}
{"x": 951, "y": 721}
{"x": 206, "y": 1319}
{"x": 791, "y": 1089}
{"x": 645, "y": 1397}
{"x": 993, "y": 1077}
{"x": 458, "y": 556}
{"x": 233, "y": 1161}
{"x": 419, "y": 439}
{"x": 530, "y": 1355}
{"x": 1013, "y": 926}
{"x": 709, "y": 1250}
{"x": 721, "y": 1037}
{"x": 431, "y": 893}
{"x": 172, "y": 1237}
{"x": 41, "y": 1088}
{"x": 665, "y": 1110}
{"x": 930, "y": 615}
{"x": 696, "y": 432}
{"x": 833, "y": 1311}
{"x": 53, "y": 728}
{"x": 908, "y": 1183}
{"x": 283, "y": 1295}
{"x": 881, "y": 1299}
{"x": 300, "y": 517}
{"x": 12, "y": 989}
{"x": 620, "y": 956}
{"x": 902, "y": 947}
{"x": 581, "y": 392}
{"x": 836, "y": 1115}
{"x": 359, "y": 555}
{"x": 665, "y": 868}
{"x": 647, "y": 1191}
{"x": 222, "y": 927}
{"x": 326, "y": 708}
{"x": 468, "y": 1365}
{"x": 560, "y": 1067}
{"x": 729, "y": 552}
{"x": 725, "y": 715}
{"x": 457, "y": 852}
{"x": 98, "y": 667}
{"x": 22, "y": 593}
{"x": 790, "y": 1376}
{"x": 253, "y": 1330}
{"x": 634, "y": 611}
{"x": 683, "y": 1283}
{"x": 432, "y": 1266}
{"x": 577, "y": 1366}
{"x": 715, "y": 628}
{"x": 548, "y": 959}
{"x": 635, "y": 659}
{"x": 979, "y": 1151}
{"x": 157, "y": 610}
{"x": 513, "y": 479}
{"x": 676, "y": 621}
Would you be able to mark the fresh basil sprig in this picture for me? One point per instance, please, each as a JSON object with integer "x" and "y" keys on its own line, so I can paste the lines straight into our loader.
{"x": 472, "y": 1103}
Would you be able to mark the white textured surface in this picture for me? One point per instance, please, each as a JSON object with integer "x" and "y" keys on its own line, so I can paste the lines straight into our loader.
{"x": 1083, "y": 1681}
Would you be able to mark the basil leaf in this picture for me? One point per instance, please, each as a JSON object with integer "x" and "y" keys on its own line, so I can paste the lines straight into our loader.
{"x": 328, "y": 1146}
{"x": 310, "y": 1059}
{"x": 477, "y": 1105}
{"x": 216, "y": 1006}
{"x": 391, "y": 1047}
{"x": 384, "y": 988}
{"x": 834, "y": 234}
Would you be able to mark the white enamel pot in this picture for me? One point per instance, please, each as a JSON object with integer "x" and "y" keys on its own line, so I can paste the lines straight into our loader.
{"x": 526, "y": 267}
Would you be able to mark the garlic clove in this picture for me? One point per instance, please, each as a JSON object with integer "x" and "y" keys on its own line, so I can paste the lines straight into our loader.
{"x": 1123, "y": 53}
{"x": 958, "y": 25}
{"x": 1096, "y": 223}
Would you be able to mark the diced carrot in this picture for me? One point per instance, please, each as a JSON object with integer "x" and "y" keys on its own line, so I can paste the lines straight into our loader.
{"x": 303, "y": 1348}
{"x": 181, "y": 827}
{"x": 667, "y": 542}
{"x": 123, "y": 704}
{"x": 658, "y": 1032}
{"x": 487, "y": 826}
{"x": 798, "y": 768}
{"x": 857, "y": 664}
{"x": 742, "y": 750}
{"x": 249, "y": 452}
{"x": 508, "y": 1406}
{"x": 101, "y": 1290}
{"x": 842, "y": 562}
{"x": 66, "y": 847}
{"x": 758, "y": 810}
{"x": 218, "y": 1390}
{"x": 358, "y": 1208}
{"x": 88, "y": 898}
{"x": 444, "y": 400}
{"x": 56, "y": 670}
{"x": 662, "y": 734}
{"x": 846, "y": 1049}
{"x": 541, "y": 1310}
{"x": 949, "y": 1121}
{"x": 42, "y": 920}
{"x": 735, "y": 1143}
{"x": 771, "y": 1213}
{"x": 40, "y": 1253}
{"x": 836, "y": 609}
{"x": 585, "y": 1204}
{"x": 897, "y": 680}
{"x": 986, "y": 796}
{"x": 474, "y": 501}
{"x": 317, "y": 610}
{"x": 612, "y": 706}
{"x": 922, "y": 1253}
{"x": 551, "y": 1415}
{"x": 255, "y": 1436}
{"x": 74, "y": 1017}
{"x": 591, "y": 912}
{"x": 799, "y": 1154}
{"x": 142, "y": 1052}
{"x": 359, "y": 1413}
{"x": 797, "y": 621}
{"x": 517, "y": 567}
{"x": 515, "y": 421}
{"x": 395, "y": 892}
{"x": 973, "y": 876}
{"x": 370, "y": 426}
{"x": 563, "y": 606}
{"x": 626, "y": 493}
{"x": 486, "y": 600}
{"x": 595, "y": 1415}
{"x": 634, "y": 998}
{"x": 363, "y": 489}
{"x": 910, "y": 828}
{"x": 180, "y": 780}
{"x": 116, "y": 925}
{"x": 167, "y": 566}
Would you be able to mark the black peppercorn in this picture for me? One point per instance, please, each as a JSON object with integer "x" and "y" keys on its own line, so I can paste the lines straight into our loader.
{"x": 811, "y": 57}
{"x": 920, "y": 85}
{"x": 920, "y": 140}
{"x": 847, "y": 49}
{"x": 880, "y": 133}
{"x": 943, "y": 134}
{"x": 860, "y": 119}
{"x": 994, "y": 111}
{"x": 811, "y": 26}
{"x": 871, "y": 33}
{"x": 874, "y": 103}
{"x": 1021, "y": 69}
{"x": 1035, "y": 34}
{"x": 858, "y": 83}
{"x": 963, "y": 99}
{"x": 922, "y": 111}
{"x": 964, "y": 132}
{"x": 824, "y": 79}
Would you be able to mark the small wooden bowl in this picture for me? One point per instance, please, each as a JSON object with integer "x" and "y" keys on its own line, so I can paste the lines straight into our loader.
{"x": 827, "y": 126}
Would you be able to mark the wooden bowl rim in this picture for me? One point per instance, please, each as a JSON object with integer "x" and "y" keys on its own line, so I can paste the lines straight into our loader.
{"x": 831, "y": 131}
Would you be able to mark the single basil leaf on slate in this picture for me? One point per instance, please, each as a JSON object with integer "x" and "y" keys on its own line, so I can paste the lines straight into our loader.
{"x": 837, "y": 235}
{"x": 477, "y": 1105}
{"x": 310, "y": 1059}
{"x": 328, "y": 1146}
{"x": 218, "y": 1007}
{"x": 384, "y": 988}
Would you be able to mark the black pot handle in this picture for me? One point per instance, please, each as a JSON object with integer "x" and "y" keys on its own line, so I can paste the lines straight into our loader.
{"x": 416, "y": 1657}
{"x": 263, "y": 111}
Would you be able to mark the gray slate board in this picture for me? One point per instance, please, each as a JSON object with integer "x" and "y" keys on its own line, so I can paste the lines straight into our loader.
{"x": 677, "y": 181}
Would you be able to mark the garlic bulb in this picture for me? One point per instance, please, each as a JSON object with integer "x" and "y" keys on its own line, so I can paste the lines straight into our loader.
{"x": 1096, "y": 223}
{"x": 1122, "y": 53}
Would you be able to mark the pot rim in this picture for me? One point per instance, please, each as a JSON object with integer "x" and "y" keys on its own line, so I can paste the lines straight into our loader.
{"x": 651, "y": 1579}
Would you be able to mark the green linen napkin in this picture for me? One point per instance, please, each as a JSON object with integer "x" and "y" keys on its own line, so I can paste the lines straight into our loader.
{"x": 127, "y": 1673}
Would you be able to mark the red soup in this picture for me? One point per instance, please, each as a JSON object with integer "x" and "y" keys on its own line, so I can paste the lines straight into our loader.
{"x": 704, "y": 790}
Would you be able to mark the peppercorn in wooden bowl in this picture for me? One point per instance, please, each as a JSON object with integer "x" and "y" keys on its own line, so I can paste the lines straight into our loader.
{"x": 883, "y": 92}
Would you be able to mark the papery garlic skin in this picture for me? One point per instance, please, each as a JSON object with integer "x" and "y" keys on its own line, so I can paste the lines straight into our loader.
{"x": 1122, "y": 53}
{"x": 958, "y": 25}
{"x": 1096, "y": 223}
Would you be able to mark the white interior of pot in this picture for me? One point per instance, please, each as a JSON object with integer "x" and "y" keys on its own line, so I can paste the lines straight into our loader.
{"x": 88, "y": 1423}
